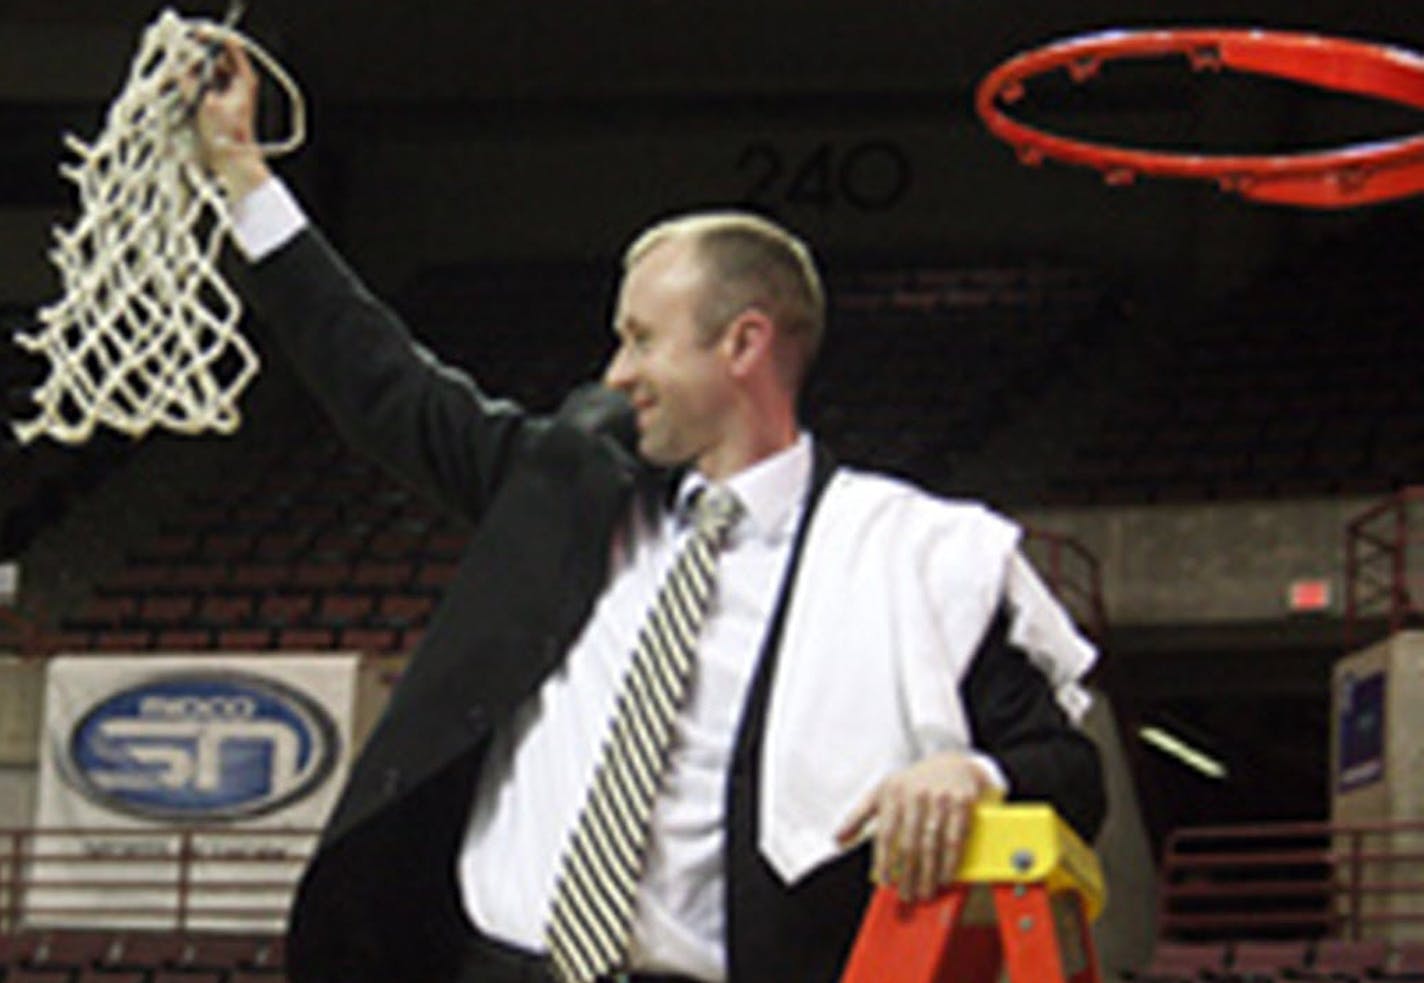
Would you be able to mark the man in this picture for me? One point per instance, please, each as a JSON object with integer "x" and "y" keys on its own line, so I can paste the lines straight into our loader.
{"x": 871, "y": 661}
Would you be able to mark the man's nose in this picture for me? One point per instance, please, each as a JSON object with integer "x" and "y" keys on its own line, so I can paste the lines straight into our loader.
{"x": 615, "y": 373}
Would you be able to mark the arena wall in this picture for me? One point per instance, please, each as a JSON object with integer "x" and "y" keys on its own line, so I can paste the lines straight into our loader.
{"x": 1210, "y": 563}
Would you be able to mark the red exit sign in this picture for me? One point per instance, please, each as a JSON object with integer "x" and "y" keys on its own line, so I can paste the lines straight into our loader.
{"x": 1312, "y": 594}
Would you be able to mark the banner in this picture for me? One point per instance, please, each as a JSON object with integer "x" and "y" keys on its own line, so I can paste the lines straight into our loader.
{"x": 184, "y": 792}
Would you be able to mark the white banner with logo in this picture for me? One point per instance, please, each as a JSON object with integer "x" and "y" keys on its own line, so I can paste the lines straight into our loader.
{"x": 183, "y": 792}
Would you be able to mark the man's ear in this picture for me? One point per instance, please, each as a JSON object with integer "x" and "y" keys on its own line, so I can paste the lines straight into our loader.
{"x": 748, "y": 341}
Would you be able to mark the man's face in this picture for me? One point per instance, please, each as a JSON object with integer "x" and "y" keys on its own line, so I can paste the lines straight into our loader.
{"x": 677, "y": 382}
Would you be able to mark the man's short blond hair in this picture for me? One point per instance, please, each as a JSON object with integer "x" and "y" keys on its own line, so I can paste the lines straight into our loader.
{"x": 749, "y": 261}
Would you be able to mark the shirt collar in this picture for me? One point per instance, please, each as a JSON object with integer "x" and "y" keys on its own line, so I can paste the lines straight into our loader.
{"x": 772, "y": 490}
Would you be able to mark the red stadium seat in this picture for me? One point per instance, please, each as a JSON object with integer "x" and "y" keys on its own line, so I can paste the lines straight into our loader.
{"x": 197, "y": 575}
{"x": 136, "y": 952}
{"x": 306, "y": 638}
{"x": 321, "y": 575}
{"x": 24, "y": 974}
{"x": 220, "y": 611}
{"x": 1183, "y": 962}
{"x": 245, "y": 639}
{"x": 269, "y": 954}
{"x": 344, "y": 610}
{"x": 369, "y": 639}
{"x": 447, "y": 544}
{"x": 122, "y": 641}
{"x": 259, "y": 575}
{"x": 436, "y": 574}
{"x": 56, "y": 950}
{"x": 52, "y": 642}
{"x": 1266, "y": 961}
{"x": 183, "y": 640}
{"x": 280, "y": 546}
{"x": 139, "y": 576}
{"x": 227, "y": 546}
{"x": 382, "y": 574}
{"x": 397, "y": 544}
{"x": 354, "y": 510}
{"x": 256, "y": 515}
{"x": 1346, "y": 960}
{"x": 339, "y": 544}
{"x": 285, "y": 609}
{"x": 1407, "y": 962}
{"x": 403, "y": 610}
{"x": 221, "y": 953}
{"x": 170, "y": 546}
{"x": 114, "y": 611}
{"x": 166, "y": 610}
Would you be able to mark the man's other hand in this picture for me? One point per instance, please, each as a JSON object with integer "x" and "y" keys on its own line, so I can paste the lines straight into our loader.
{"x": 918, "y": 819}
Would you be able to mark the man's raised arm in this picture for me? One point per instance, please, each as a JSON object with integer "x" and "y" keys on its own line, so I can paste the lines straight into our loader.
{"x": 427, "y": 423}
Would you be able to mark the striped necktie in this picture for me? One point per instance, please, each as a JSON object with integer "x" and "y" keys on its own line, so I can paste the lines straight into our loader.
{"x": 591, "y": 915}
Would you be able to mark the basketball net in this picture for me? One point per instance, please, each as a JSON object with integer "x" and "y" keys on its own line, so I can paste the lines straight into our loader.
{"x": 146, "y": 333}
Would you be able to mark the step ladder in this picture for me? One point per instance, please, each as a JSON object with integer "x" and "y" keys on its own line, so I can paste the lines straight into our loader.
{"x": 1026, "y": 892}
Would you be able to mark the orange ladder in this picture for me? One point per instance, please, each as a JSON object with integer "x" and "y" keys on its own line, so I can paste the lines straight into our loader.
{"x": 1026, "y": 890}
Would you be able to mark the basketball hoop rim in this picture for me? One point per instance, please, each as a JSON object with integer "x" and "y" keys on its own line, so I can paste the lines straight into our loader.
{"x": 1359, "y": 173}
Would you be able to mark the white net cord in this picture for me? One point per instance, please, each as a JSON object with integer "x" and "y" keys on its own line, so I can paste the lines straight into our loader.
{"x": 146, "y": 333}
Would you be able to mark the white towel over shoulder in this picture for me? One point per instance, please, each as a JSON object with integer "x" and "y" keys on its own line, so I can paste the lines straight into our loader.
{"x": 895, "y": 592}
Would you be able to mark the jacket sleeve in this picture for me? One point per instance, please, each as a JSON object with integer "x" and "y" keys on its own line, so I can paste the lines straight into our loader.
{"x": 426, "y": 422}
{"x": 1015, "y": 718}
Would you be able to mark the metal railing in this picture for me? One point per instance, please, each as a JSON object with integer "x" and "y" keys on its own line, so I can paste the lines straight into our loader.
{"x": 1294, "y": 880}
{"x": 1384, "y": 577}
{"x": 168, "y": 880}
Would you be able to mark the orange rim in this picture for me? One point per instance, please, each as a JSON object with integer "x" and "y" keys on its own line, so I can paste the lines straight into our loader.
{"x": 1356, "y": 174}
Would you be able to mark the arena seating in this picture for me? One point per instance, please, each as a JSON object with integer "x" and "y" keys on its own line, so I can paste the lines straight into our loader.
{"x": 1256, "y": 961}
{"x": 302, "y": 545}
{"x": 921, "y": 364}
{"x": 94, "y": 956}
{"x": 1278, "y": 392}
{"x": 1267, "y": 398}
{"x": 310, "y": 548}
{"x": 1291, "y": 961}
{"x": 1278, "y": 902}
{"x": 1407, "y": 961}
{"x": 1348, "y": 960}
{"x": 155, "y": 957}
{"x": 1181, "y": 962}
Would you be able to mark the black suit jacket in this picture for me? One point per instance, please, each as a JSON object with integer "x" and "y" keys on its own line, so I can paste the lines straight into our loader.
{"x": 377, "y": 902}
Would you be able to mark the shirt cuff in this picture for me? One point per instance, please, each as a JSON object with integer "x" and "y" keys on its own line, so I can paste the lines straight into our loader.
{"x": 265, "y": 219}
{"x": 992, "y": 770}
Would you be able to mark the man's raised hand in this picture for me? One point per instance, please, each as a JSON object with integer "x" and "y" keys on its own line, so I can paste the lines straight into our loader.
{"x": 226, "y": 121}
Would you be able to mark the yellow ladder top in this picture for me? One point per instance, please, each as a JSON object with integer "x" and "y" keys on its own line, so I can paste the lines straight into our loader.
{"x": 1025, "y": 843}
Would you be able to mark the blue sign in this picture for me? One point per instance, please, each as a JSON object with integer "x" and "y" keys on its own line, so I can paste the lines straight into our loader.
{"x": 1361, "y": 731}
{"x": 202, "y": 747}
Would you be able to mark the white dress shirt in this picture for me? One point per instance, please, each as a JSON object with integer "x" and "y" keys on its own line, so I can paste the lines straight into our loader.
{"x": 537, "y": 774}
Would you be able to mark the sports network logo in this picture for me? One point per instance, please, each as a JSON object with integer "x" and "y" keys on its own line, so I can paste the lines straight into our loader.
{"x": 202, "y": 747}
